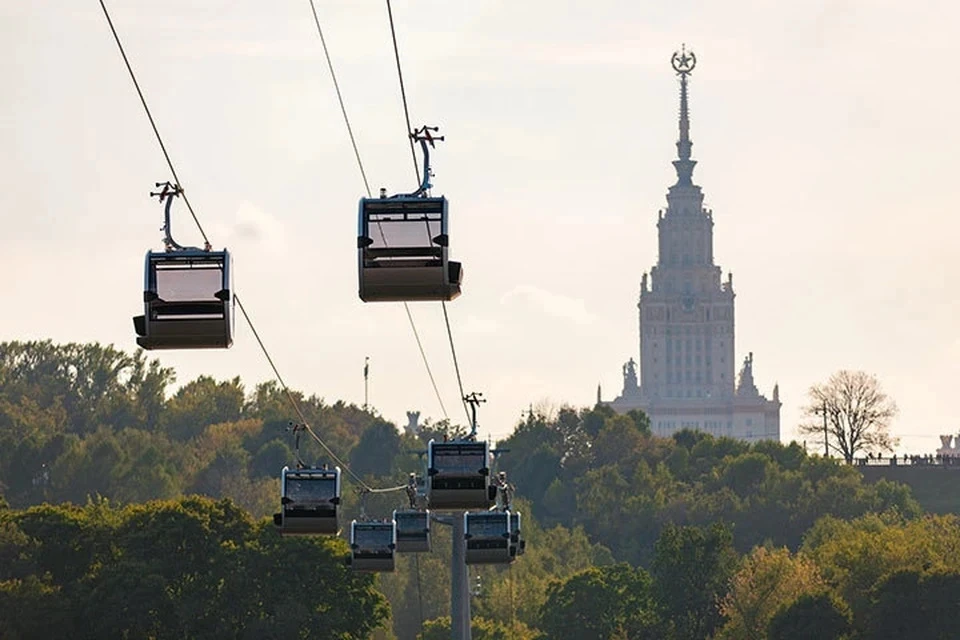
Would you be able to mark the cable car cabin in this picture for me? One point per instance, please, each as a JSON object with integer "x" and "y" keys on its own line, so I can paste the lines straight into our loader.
{"x": 372, "y": 545}
{"x": 458, "y": 475}
{"x": 403, "y": 246}
{"x": 413, "y": 531}
{"x": 310, "y": 500}
{"x": 517, "y": 544}
{"x": 188, "y": 301}
{"x": 488, "y": 537}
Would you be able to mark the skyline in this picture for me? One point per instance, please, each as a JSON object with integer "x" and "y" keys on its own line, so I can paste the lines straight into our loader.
{"x": 560, "y": 128}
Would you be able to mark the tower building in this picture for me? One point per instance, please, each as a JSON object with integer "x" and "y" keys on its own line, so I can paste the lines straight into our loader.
{"x": 687, "y": 360}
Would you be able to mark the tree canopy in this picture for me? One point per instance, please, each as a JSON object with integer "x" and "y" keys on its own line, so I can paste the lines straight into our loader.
{"x": 191, "y": 567}
{"x": 128, "y": 510}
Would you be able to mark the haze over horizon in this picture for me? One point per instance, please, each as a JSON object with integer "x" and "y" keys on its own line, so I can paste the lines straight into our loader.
{"x": 822, "y": 133}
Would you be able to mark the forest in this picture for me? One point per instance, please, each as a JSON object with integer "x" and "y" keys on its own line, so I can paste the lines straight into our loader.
{"x": 135, "y": 508}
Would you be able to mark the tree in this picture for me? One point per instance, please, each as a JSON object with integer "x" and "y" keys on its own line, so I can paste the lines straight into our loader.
{"x": 690, "y": 569}
{"x": 190, "y": 568}
{"x": 30, "y": 608}
{"x": 440, "y": 430}
{"x": 911, "y": 605}
{"x": 200, "y": 403}
{"x": 377, "y": 450}
{"x": 822, "y": 616}
{"x": 857, "y": 414}
{"x": 602, "y": 603}
{"x": 767, "y": 580}
{"x": 95, "y": 385}
{"x": 552, "y": 554}
{"x": 618, "y": 443}
{"x": 480, "y": 629}
{"x": 857, "y": 557}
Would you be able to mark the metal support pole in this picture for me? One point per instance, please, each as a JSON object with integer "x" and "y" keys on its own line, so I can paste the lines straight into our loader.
{"x": 826, "y": 435}
{"x": 459, "y": 583}
{"x": 366, "y": 377}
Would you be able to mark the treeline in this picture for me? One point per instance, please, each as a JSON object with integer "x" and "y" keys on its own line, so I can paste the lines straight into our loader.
{"x": 190, "y": 568}
{"x": 629, "y": 535}
{"x": 197, "y": 568}
{"x": 82, "y": 419}
{"x": 605, "y": 472}
{"x": 878, "y": 577}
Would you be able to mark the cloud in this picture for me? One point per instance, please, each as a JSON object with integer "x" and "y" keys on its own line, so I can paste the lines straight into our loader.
{"x": 476, "y": 325}
{"x": 552, "y": 304}
{"x": 254, "y": 228}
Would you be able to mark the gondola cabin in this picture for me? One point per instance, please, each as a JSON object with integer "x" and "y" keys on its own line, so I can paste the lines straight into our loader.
{"x": 310, "y": 502}
{"x": 488, "y": 537}
{"x": 413, "y": 531}
{"x": 372, "y": 545}
{"x": 517, "y": 543}
{"x": 458, "y": 475}
{"x": 187, "y": 300}
{"x": 404, "y": 250}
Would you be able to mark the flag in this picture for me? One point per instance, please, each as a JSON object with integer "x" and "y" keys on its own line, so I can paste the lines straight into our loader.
{"x": 366, "y": 368}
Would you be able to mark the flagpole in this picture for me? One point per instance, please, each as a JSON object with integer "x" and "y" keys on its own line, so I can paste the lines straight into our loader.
{"x": 366, "y": 376}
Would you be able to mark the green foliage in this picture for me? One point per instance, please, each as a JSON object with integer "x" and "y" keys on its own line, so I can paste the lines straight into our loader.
{"x": 200, "y": 403}
{"x": 909, "y": 604}
{"x": 187, "y": 568}
{"x": 602, "y": 603}
{"x": 767, "y": 580}
{"x": 30, "y": 608}
{"x": 94, "y": 385}
{"x": 376, "y": 451}
{"x": 78, "y": 422}
{"x": 606, "y": 473}
{"x": 520, "y": 590}
{"x": 859, "y": 556}
{"x": 87, "y": 420}
{"x": 271, "y": 456}
{"x": 480, "y": 629}
{"x": 691, "y": 569}
{"x": 822, "y": 616}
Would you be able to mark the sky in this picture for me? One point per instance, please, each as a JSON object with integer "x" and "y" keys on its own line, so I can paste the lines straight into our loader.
{"x": 823, "y": 130}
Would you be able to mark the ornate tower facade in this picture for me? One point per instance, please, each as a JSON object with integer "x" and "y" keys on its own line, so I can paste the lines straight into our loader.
{"x": 687, "y": 374}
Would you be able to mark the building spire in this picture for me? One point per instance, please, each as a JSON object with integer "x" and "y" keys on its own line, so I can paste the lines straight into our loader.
{"x": 683, "y": 62}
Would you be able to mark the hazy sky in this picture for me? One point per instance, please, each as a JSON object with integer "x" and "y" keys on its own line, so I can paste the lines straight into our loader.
{"x": 824, "y": 133}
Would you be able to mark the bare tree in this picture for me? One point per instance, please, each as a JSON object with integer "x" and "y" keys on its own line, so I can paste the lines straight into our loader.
{"x": 852, "y": 413}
